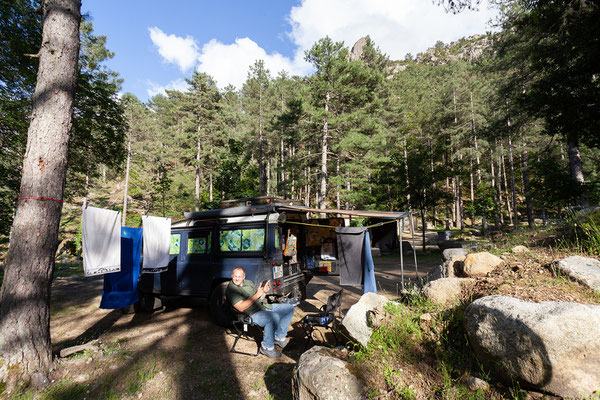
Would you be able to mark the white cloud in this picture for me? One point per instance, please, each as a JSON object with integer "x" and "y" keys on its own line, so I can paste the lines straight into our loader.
{"x": 229, "y": 63}
{"x": 396, "y": 26}
{"x": 155, "y": 89}
{"x": 175, "y": 49}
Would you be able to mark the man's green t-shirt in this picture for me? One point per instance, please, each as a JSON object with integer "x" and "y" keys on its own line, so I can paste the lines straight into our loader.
{"x": 236, "y": 293}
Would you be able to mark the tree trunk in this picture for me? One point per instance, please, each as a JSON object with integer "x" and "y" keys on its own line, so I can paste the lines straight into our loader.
{"x": 512, "y": 181}
{"x": 472, "y": 192}
{"x": 526, "y": 188}
{"x": 268, "y": 177}
{"x": 493, "y": 173}
{"x": 261, "y": 163}
{"x": 87, "y": 184}
{"x": 461, "y": 208}
{"x": 124, "y": 215}
{"x": 454, "y": 203}
{"x": 406, "y": 171}
{"x": 307, "y": 190}
{"x": 197, "y": 192}
{"x": 508, "y": 205}
{"x": 348, "y": 190}
{"x": 448, "y": 207}
{"x": 474, "y": 130}
{"x": 424, "y": 228}
{"x": 337, "y": 186}
{"x": 25, "y": 293}
{"x": 576, "y": 166}
{"x": 324, "y": 150}
{"x": 282, "y": 182}
{"x": 210, "y": 187}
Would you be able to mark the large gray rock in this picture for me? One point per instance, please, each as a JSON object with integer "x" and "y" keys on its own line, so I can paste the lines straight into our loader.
{"x": 457, "y": 254}
{"x": 320, "y": 375}
{"x": 357, "y": 50}
{"x": 550, "y": 346}
{"x": 520, "y": 249}
{"x": 446, "y": 291}
{"x": 480, "y": 264}
{"x": 356, "y": 321}
{"x": 583, "y": 269}
{"x": 453, "y": 262}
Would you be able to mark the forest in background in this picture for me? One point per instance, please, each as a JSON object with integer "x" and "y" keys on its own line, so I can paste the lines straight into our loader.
{"x": 499, "y": 128}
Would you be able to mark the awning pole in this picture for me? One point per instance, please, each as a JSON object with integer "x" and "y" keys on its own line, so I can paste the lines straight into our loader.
{"x": 412, "y": 231}
{"x": 401, "y": 255}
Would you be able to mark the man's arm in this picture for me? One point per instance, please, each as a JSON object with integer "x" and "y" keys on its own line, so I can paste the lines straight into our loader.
{"x": 243, "y": 305}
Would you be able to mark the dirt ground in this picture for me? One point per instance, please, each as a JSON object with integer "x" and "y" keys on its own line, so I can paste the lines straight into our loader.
{"x": 178, "y": 352}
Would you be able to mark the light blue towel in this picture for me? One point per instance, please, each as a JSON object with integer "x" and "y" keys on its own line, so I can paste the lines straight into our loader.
{"x": 369, "y": 284}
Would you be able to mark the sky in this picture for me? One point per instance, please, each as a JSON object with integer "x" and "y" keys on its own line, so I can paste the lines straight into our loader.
{"x": 158, "y": 44}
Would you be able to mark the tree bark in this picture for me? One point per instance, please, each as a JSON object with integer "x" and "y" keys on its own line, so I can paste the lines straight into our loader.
{"x": 499, "y": 191}
{"x": 124, "y": 216}
{"x": 513, "y": 188}
{"x": 526, "y": 186}
{"x": 494, "y": 188}
{"x": 337, "y": 187}
{"x": 576, "y": 166}
{"x": 282, "y": 182}
{"x": 197, "y": 191}
{"x": 407, "y": 179}
{"x": 261, "y": 162}
{"x": 508, "y": 205}
{"x": 472, "y": 192}
{"x": 25, "y": 293}
{"x": 324, "y": 150}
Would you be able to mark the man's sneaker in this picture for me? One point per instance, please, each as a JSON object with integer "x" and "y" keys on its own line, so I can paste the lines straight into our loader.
{"x": 281, "y": 343}
{"x": 270, "y": 353}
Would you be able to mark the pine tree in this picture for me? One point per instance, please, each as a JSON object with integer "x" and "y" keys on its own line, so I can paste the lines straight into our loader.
{"x": 25, "y": 293}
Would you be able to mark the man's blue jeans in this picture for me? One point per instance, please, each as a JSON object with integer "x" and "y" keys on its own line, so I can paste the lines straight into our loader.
{"x": 275, "y": 323}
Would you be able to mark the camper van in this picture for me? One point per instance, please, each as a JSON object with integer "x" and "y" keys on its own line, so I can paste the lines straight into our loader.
{"x": 270, "y": 238}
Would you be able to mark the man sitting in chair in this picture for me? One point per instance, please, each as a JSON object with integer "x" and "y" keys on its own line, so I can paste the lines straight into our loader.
{"x": 274, "y": 318}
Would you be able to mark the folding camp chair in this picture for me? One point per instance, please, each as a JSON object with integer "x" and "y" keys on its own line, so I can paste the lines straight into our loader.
{"x": 241, "y": 322}
{"x": 327, "y": 318}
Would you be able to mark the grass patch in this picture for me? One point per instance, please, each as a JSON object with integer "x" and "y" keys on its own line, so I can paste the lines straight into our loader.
{"x": 81, "y": 354}
{"x": 430, "y": 355}
{"x": 581, "y": 232}
{"x": 65, "y": 270}
{"x": 141, "y": 375}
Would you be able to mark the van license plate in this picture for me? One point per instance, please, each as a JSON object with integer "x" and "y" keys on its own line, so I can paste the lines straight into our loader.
{"x": 325, "y": 266}
{"x": 278, "y": 271}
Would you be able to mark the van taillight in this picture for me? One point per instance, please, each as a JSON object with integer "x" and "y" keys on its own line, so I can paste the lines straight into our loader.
{"x": 278, "y": 282}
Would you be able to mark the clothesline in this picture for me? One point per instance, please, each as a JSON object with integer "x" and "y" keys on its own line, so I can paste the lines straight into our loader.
{"x": 41, "y": 198}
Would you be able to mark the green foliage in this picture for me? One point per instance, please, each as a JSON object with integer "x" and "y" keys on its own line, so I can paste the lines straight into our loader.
{"x": 98, "y": 122}
{"x": 405, "y": 341}
{"x": 581, "y": 231}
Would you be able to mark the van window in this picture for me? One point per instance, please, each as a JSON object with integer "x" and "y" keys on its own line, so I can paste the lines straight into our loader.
{"x": 252, "y": 239}
{"x": 278, "y": 238}
{"x": 199, "y": 242}
{"x": 175, "y": 244}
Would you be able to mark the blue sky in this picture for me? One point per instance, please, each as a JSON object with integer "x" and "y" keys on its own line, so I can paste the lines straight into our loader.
{"x": 158, "y": 44}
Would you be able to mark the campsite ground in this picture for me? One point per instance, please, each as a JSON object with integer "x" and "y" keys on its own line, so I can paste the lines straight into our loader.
{"x": 178, "y": 352}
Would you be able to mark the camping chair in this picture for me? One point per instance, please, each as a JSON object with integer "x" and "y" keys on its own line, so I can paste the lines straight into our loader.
{"x": 241, "y": 322}
{"x": 327, "y": 318}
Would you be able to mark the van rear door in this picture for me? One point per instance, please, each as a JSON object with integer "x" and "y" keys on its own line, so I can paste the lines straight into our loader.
{"x": 320, "y": 246}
